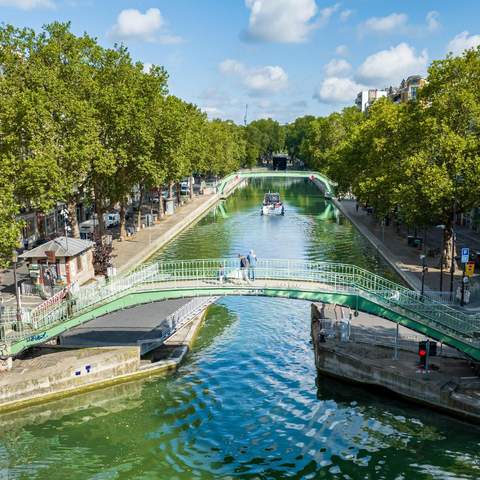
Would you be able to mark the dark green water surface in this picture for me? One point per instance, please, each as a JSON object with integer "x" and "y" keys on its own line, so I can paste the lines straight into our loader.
{"x": 247, "y": 403}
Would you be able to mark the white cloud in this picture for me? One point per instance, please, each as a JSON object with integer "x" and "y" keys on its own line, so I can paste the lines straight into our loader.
{"x": 463, "y": 41}
{"x": 133, "y": 24}
{"x": 432, "y": 21}
{"x": 345, "y": 15}
{"x": 167, "y": 39}
{"x": 232, "y": 67}
{"x": 337, "y": 67}
{"x": 391, "y": 23}
{"x": 390, "y": 66}
{"x": 342, "y": 50}
{"x": 326, "y": 13}
{"x": 268, "y": 79}
{"x": 337, "y": 90}
{"x": 149, "y": 26}
{"x": 397, "y": 23}
{"x": 285, "y": 21}
{"x": 213, "y": 112}
{"x": 27, "y": 4}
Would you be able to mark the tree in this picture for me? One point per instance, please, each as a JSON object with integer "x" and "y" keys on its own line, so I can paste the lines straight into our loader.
{"x": 9, "y": 228}
{"x": 67, "y": 59}
{"x": 447, "y": 158}
{"x": 296, "y": 135}
{"x": 268, "y": 138}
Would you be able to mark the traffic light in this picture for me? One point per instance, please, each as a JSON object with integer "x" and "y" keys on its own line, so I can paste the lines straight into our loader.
{"x": 425, "y": 350}
{"x": 422, "y": 353}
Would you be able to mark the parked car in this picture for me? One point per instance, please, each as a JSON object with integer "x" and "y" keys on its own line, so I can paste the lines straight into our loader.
{"x": 184, "y": 188}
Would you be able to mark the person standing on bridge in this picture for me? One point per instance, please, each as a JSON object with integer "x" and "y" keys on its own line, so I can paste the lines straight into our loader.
{"x": 252, "y": 263}
{"x": 221, "y": 273}
{"x": 243, "y": 267}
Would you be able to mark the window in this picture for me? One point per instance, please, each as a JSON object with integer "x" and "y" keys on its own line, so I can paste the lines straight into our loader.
{"x": 79, "y": 263}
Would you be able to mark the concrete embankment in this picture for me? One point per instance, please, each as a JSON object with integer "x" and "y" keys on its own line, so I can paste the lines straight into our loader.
{"x": 130, "y": 253}
{"x": 406, "y": 276}
{"x": 52, "y": 373}
{"x": 451, "y": 385}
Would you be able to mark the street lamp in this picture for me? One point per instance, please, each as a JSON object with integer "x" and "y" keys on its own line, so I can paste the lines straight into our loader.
{"x": 424, "y": 269}
{"x": 457, "y": 180}
{"x": 15, "y": 281}
{"x": 65, "y": 214}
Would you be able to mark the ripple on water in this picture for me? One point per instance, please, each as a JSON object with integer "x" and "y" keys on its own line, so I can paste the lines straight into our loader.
{"x": 247, "y": 403}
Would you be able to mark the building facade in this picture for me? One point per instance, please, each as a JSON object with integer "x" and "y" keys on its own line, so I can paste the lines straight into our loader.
{"x": 407, "y": 90}
{"x": 365, "y": 98}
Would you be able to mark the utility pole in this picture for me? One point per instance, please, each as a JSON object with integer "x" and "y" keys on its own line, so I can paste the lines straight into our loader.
{"x": 245, "y": 118}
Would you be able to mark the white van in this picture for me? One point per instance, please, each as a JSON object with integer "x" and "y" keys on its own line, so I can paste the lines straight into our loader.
{"x": 87, "y": 228}
{"x": 111, "y": 219}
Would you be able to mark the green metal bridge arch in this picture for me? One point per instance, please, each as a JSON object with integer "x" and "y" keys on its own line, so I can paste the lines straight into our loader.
{"x": 313, "y": 281}
{"x": 328, "y": 184}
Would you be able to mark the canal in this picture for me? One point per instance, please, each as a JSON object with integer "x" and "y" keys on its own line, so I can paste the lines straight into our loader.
{"x": 247, "y": 403}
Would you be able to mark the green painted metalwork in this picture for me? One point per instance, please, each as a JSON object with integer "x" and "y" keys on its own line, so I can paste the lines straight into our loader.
{"x": 329, "y": 184}
{"x": 314, "y": 281}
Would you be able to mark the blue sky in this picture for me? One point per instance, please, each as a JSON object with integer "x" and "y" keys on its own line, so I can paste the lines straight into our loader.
{"x": 284, "y": 58}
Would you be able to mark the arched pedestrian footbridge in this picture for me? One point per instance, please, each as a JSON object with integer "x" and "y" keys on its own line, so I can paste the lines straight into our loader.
{"x": 327, "y": 183}
{"x": 313, "y": 281}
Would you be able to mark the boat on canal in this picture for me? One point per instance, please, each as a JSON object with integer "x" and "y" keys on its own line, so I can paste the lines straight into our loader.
{"x": 272, "y": 205}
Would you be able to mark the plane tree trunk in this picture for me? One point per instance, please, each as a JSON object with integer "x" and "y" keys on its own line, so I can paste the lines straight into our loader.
{"x": 72, "y": 214}
{"x": 449, "y": 248}
{"x": 123, "y": 211}
{"x": 139, "y": 213}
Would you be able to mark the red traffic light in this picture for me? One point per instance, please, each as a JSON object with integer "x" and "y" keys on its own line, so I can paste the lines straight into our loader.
{"x": 422, "y": 353}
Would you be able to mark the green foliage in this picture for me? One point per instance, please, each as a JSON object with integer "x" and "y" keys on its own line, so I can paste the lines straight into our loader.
{"x": 82, "y": 122}
{"x": 264, "y": 137}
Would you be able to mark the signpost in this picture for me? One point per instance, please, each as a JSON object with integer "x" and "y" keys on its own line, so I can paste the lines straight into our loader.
{"x": 465, "y": 261}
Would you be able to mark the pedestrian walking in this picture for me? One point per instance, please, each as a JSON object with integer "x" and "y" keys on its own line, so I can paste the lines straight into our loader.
{"x": 243, "y": 267}
{"x": 357, "y": 206}
{"x": 252, "y": 263}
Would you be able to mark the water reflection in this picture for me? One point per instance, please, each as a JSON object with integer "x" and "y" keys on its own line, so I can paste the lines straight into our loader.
{"x": 247, "y": 403}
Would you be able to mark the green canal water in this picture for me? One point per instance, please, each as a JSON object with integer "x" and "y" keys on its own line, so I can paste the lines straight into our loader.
{"x": 247, "y": 403}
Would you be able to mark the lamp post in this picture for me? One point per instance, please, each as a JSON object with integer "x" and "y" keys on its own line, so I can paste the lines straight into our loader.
{"x": 64, "y": 213}
{"x": 15, "y": 281}
{"x": 457, "y": 180}
{"x": 452, "y": 266}
{"x": 424, "y": 268}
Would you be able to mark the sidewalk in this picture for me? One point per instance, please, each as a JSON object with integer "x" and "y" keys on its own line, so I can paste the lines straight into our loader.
{"x": 132, "y": 251}
{"x": 405, "y": 259}
{"x": 127, "y": 253}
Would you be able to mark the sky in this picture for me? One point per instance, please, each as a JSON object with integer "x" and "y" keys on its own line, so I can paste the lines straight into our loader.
{"x": 282, "y": 58}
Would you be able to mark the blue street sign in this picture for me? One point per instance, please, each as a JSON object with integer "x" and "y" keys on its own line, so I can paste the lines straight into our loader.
{"x": 465, "y": 255}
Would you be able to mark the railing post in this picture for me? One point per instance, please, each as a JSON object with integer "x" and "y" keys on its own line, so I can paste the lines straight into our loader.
{"x": 395, "y": 355}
